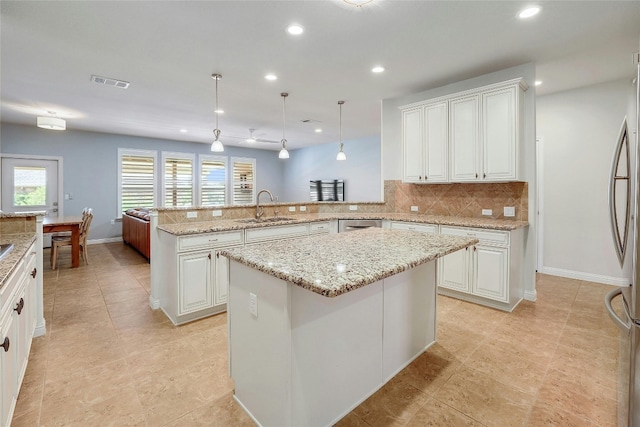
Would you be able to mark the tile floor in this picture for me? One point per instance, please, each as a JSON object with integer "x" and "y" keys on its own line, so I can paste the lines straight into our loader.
{"x": 107, "y": 359}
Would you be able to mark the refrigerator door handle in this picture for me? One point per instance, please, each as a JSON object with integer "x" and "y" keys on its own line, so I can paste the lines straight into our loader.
{"x": 624, "y": 325}
{"x": 620, "y": 236}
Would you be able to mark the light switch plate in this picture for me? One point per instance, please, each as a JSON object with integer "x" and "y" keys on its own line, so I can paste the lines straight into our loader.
{"x": 292, "y": 208}
{"x": 192, "y": 214}
{"x": 414, "y": 209}
{"x": 303, "y": 208}
{"x": 216, "y": 212}
{"x": 353, "y": 207}
{"x": 487, "y": 212}
{"x": 509, "y": 211}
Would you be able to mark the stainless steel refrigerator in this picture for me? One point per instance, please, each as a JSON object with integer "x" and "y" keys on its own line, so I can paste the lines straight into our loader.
{"x": 624, "y": 196}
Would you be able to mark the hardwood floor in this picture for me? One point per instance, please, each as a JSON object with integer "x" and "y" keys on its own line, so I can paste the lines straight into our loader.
{"x": 108, "y": 359}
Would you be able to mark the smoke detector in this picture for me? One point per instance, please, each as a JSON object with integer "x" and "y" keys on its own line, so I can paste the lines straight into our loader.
{"x": 107, "y": 81}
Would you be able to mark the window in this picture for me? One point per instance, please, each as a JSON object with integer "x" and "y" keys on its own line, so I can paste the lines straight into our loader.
{"x": 30, "y": 186}
{"x": 136, "y": 172}
{"x": 177, "y": 179}
{"x": 243, "y": 180}
{"x": 213, "y": 180}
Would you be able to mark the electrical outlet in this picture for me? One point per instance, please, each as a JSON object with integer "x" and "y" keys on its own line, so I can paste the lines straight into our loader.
{"x": 192, "y": 214}
{"x": 488, "y": 212}
{"x": 303, "y": 208}
{"x": 66, "y": 196}
{"x": 113, "y": 222}
{"x": 292, "y": 208}
{"x": 414, "y": 209}
{"x": 253, "y": 304}
{"x": 216, "y": 212}
{"x": 353, "y": 207}
{"x": 509, "y": 211}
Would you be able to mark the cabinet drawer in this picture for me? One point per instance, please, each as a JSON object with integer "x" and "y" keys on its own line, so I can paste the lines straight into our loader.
{"x": 424, "y": 228}
{"x": 273, "y": 233}
{"x": 319, "y": 228}
{"x": 210, "y": 240}
{"x": 486, "y": 237}
{"x": 10, "y": 286}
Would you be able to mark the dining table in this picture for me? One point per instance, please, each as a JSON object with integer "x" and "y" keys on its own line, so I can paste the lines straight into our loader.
{"x": 70, "y": 223}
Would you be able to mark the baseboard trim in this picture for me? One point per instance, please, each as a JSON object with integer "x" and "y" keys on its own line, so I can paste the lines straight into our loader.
{"x": 590, "y": 277}
{"x": 107, "y": 240}
{"x": 154, "y": 303}
{"x": 531, "y": 295}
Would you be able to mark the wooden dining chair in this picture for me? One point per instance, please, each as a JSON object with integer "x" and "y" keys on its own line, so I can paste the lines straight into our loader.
{"x": 58, "y": 241}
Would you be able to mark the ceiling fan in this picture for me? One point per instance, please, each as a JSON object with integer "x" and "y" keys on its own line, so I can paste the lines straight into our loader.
{"x": 252, "y": 138}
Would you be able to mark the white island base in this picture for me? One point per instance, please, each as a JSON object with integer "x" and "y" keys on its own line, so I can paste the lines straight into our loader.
{"x": 308, "y": 360}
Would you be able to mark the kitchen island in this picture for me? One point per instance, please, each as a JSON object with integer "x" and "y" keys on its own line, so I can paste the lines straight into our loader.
{"x": 317, "y": 325}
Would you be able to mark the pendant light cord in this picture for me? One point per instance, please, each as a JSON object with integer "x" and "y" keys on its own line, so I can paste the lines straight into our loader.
{"x": 284, "y": 118}
{"x": 216, "y": 101}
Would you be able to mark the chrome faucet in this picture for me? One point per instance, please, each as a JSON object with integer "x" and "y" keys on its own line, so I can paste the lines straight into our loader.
{"x": 259, "y": 210}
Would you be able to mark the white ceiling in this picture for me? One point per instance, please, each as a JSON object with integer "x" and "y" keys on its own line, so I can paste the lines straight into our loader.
{"x": 168, "y": 51}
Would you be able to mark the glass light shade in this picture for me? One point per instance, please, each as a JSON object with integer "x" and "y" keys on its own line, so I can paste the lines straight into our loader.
{"x": 341, "y": 155}
{"x": 283, "y": 154}
{"x": 217, "y": 146}
{"x": 53, "y": 123}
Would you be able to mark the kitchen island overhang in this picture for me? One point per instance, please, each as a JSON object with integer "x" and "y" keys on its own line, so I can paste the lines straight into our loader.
{"x": 318, "y": 325}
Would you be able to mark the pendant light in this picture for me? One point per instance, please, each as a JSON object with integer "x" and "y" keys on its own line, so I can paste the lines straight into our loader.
{"x": 284, "y": 154}
{"x": 217, "y": 145}
{"x": 341, "y": 155}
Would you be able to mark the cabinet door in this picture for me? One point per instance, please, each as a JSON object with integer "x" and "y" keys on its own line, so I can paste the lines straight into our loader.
{"x": 436, "y": 142}
{"x": 8, "y": 368}
{"x": 412, "y": 145}
{"x": 465, "y": 156}
{"x": 454, "y": 271}
{"x": 194, "y": 283}
{"x": 221, "y": 284}
{"x": 491, "y": 273}
{"x": 499, "y": 136}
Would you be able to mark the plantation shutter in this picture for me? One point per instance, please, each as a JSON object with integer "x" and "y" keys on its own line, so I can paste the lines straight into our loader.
{"x": 213, "y": 178}
{"x": 243, "y": 181}
{"x": 138, "y": 181}
{"x": 178, "y": 182}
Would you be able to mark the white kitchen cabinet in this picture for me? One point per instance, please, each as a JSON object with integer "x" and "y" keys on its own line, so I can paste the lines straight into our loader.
{"x": 500, "y": 124}
{"x": 414, "y": 226}
{"x": 265, "y": 234}
{"x": 195, "y": 286}
{"x": 464, "y": 139}
{"x": 194, "y": 283}
{"x": 488, "y": 273}
{"x": 471, "y": 136}
{"x": 425, "y": 143}
{"x": 17, "y": 324}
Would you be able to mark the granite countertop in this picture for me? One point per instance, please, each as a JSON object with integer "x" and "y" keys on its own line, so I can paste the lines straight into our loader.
{"x": 334, "y": 264}
{"x": 238, "y": 224}
{"x": 21, "y": 242}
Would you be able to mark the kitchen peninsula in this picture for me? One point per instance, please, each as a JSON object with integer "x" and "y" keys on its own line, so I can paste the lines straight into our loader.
{"x": 317, "y": 325}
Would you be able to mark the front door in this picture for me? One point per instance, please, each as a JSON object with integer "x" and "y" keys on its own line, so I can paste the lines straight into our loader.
{"x": 30, "y": 185}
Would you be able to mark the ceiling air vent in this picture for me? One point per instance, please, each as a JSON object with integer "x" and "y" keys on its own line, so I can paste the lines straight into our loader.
{"x": 109, "y": 82}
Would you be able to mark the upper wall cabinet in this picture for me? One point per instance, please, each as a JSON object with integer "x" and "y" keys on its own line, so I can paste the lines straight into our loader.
{"x": 425, "y": 144}
{"x": 472, "y": 136}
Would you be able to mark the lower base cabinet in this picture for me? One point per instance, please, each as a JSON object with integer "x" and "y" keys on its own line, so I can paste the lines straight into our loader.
{"x": 487, "y": 273}
{"x": 17, "y": 324}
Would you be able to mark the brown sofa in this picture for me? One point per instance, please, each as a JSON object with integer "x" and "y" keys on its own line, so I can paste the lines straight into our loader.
{"x": 135, "y": 230}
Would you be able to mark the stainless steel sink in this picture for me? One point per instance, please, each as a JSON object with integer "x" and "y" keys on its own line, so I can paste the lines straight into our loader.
{"x": 5, "y": 249}
{"x": 267, "y": 220}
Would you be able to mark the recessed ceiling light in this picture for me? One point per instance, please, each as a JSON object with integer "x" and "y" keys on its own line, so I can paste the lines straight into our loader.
{"x": 183, "y": 131}
{"x": 538, "y": 82}
{"x": 219, "y": 111}
{"x": 318, "y": 130}
{"x": 377, "y": 69}
{"x": 295, "y": 29}
{"x": 528, "y": 12}
{"x": 271, "y": 77}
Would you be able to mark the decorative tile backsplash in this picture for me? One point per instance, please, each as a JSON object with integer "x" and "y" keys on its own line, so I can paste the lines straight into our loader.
{"x": 462, "y": 200}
